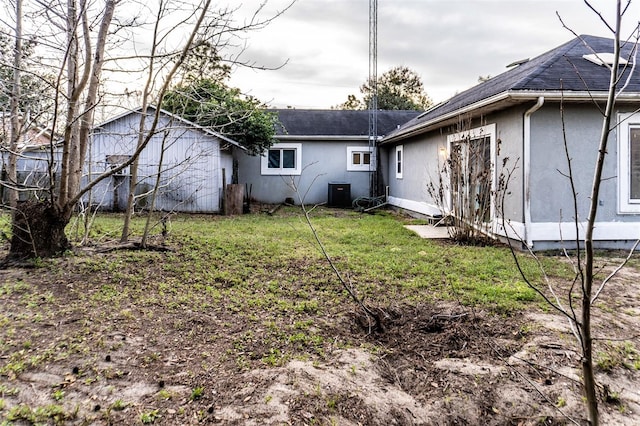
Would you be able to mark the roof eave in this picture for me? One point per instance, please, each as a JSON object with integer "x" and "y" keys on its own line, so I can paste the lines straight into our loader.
{"x": 335, "y": 138}
{"x": 503, "y": 100}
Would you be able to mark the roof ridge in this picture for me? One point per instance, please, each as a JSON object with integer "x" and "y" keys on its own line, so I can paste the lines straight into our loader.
{"x": 555, "y": 54}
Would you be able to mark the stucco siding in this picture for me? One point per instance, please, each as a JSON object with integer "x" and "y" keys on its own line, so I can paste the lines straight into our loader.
{"x": 551, "y": 195}
{"x": 322, "y": 162}
{"x": 424, "y": 157}
{"x": 421, "y": 162}
{"x": 508, "y": 163}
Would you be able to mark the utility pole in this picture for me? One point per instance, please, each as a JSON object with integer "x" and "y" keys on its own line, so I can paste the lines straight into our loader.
{"x": 373, "y": 101}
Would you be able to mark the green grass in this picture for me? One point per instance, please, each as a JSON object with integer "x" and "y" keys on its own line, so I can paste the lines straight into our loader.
{"x": 265, "y": 271}
{"x": 614, "y": 355}
{"x": 273, "y": 263}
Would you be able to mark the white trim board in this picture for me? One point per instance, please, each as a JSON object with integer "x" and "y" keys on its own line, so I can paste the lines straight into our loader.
{"x": 415, "y": 206}
{"x": 605, "y": 231}
{"x": 565, "y": 231}
{"x": 540, "y": 231}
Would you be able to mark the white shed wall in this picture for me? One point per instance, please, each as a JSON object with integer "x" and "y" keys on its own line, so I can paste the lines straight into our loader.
{"x": 190, "y": 177}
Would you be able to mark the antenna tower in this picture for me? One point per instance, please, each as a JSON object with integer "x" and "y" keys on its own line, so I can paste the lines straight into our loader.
{"x": 373, "y": 99}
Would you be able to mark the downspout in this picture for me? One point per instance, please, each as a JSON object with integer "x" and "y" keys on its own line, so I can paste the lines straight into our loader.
{"x": 527, "y": 171}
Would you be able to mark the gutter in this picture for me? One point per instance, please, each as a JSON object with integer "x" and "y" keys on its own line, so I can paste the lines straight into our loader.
{"x": 421, "y": 127}
{"x": 527, "y": 170}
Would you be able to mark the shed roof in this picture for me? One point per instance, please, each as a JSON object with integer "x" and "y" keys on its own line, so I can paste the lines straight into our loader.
{"x": 335, "y": 123}
{"x": 188, "y": 123}
{"x": 560, "y": 71}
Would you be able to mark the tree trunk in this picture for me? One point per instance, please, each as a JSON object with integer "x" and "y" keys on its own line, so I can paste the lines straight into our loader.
{"x": 16, "y": 119}
{"x": 38, "y": 231}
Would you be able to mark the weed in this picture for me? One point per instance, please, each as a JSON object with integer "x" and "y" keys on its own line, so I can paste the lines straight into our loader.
{"x": 165, "y": 394}
{"x": 118, "y": 405}
{"x": 197, "y": 393}
{"x": 39, "y": 414}
{"x": 332, "y": 402}
{"x": 149, "y": 417}
{"x": 303, "y": 325}
{"x": 58, "y": 394}
{"x": 618, "y": 355}
{"x": 7, "y": 391}
{"x": 274, "y": 358}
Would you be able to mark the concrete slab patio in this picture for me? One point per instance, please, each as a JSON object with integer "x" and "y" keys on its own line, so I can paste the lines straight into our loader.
{"x": 429, "y": 231}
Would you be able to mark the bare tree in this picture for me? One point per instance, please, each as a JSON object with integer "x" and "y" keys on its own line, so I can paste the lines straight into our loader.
{"x": 202, "y": 56}
{"x": 585, "y": 288}
{"x": 91, "y": 35}
{"x": 16, "y": 130}
{"x": 462, "y": 189}
{"x": 143, "y": 135}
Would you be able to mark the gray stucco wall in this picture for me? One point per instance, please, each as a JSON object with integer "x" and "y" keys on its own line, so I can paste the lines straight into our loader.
{"x": 509, "y": 158}
{"x": 423, "y": 160}
{"x": 421, "y": 163}
{"x": 323, "y": 162}
{"x": 551, "y": 197}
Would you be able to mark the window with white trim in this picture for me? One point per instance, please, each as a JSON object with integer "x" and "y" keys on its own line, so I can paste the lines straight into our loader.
{"x": 282, "y": 159}
{"x": 399, "y": 161}
{"x": 629, "y": 163}
{"x": 360, "y": 159}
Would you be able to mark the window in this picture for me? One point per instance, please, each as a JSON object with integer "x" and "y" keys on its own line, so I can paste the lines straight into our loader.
{"x": 360, "y": 159}
{"x": 114, "y": 161}
{"x": 282, "y": 159}
{"x": 399, "y": 160}
{"x": 629, "y": 163}
{"x": 471, "y": 172}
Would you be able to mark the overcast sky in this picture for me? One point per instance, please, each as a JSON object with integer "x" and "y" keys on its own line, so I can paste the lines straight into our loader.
{"x": 449, "y": 43}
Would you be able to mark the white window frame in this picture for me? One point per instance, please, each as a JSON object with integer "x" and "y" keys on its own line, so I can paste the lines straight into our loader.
{"x": 626, "y": 205}
{"x": 353, "y": 167}
{"x": 488, "y": 131}
{"x": 398, "y": 161}
{"x": 282, "y": 171}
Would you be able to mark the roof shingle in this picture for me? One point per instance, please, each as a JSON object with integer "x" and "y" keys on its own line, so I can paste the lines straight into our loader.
{"x": 318, "y": 122}
{"x": 560, "y": 69}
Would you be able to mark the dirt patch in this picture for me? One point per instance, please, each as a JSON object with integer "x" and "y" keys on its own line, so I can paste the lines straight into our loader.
{"x": 72, "y": 351}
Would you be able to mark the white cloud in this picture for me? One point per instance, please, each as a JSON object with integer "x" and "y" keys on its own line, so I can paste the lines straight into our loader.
{"x": 450, "y": 43}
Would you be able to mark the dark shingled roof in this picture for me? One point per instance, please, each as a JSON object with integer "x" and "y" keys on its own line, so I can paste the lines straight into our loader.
{"x": 561, "y": 69}
{"x": 317, "y": 122}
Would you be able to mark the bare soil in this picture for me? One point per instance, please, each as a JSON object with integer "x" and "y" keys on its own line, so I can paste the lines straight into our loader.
{"x": 435, "y": 364}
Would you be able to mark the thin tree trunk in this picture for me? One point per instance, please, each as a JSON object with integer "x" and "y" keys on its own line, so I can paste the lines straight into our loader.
{"x": 16, "y": 127}
{"x": 154, "y": 193}
{"x": 133, "y": 179}
{"x": 144, "y": 135}
{"x": 587, "y": 339}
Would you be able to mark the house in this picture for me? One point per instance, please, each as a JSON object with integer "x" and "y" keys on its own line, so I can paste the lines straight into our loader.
{"x": 193, "y": 163}
{"x": 35, "y": 154}
{"x": 519, "y": 120}
{"x": 317, "y": 150}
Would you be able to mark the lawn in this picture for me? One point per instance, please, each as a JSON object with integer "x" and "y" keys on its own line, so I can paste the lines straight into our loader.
{"x": 168, "y": 335}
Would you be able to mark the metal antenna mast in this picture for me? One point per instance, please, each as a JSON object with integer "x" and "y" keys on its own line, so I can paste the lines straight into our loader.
{"x": 373, "y": 99}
